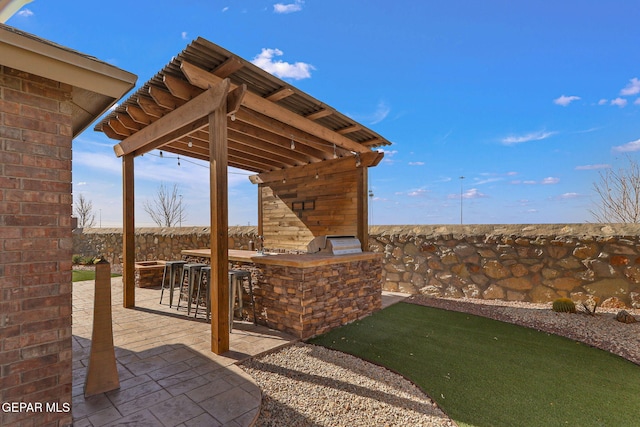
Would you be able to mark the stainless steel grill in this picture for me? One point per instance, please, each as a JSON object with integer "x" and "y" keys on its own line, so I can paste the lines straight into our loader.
{"x": 335, "y": 245}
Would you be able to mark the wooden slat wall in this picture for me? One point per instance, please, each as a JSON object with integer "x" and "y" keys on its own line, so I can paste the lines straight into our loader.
{"x": 333, "y": 197}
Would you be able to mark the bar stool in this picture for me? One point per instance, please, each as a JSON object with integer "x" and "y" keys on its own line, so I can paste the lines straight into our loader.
{"x": 171, "y": 269}
{"x": 235, "y": 289}
{"x": 192, "y": 274}
{"x": 205, "y": 280}
{"x": 238, "y": 277}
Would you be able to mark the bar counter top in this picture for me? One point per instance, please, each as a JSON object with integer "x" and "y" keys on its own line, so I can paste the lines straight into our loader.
{"x": 289, "y": 260}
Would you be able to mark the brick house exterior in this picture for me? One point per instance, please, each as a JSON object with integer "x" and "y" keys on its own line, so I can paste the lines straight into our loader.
{"x": 42, "y": 107}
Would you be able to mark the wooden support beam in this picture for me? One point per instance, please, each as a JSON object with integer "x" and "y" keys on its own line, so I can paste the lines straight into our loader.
{"x": 219, "y": 291}
{"x": 108, "y": 130}
{"x": 164, "y": 98}
{"x": 234, "y": 100}
{"x": 203, "y": 79}
{"x": 362, "y": 208}
{"x": 178, "y": 120}
{"x": 228, "y": 67}
{"x": 118, "y": 128}
{"x": 128, "y": 122}
{"x": 179, "y": 88}
{"x": 280, "y": 94}
{"x": 137, "y": 115}
{"x": 128, "y": 233}
{"x": 274, "y": 132}
{"x": 350, "y": 129}
{"x": 369, "y": 159}
{"x": 319, "y": 114}
{"x": 150, "y": 107}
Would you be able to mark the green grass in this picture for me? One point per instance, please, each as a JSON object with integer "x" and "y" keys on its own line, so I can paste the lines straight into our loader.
{"x": 482, "y": 372}
{"x": 81, "y": 275}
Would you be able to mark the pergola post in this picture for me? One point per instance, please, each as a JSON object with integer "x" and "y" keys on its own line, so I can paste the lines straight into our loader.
{"x": 219, "y": 287}
{"x": 128, "y": 233}
{"x": 363, "y": 208}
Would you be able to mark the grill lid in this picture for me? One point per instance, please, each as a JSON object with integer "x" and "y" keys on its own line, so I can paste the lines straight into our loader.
{"x": 336, "y": 245}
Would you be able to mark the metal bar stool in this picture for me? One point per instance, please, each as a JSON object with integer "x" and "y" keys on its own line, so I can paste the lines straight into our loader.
{"x": 238, "y": 277}
{"x": 205, "y": 280}
{"x": 169, "y": 276}
{"x": 192, "y": 274}
{"x": 234, "y": 289}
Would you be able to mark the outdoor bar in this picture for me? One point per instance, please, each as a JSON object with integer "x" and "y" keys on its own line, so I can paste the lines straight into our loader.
{"x": 310, "y": 165}
{"x": 308, "y": 294}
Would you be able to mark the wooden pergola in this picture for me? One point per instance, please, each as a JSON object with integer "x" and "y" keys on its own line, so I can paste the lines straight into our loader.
{"x": 210, "y": 104}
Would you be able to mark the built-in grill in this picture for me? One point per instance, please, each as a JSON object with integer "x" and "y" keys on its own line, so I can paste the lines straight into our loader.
{"x": 335, "y": 245}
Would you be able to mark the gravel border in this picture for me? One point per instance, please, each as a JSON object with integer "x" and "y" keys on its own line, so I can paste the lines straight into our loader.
{"x": 307, "y": 385}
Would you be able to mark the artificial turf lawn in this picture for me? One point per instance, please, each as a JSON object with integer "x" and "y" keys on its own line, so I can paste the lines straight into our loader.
{"x": 483, "y": 372}
{"x": 81, "y": 275}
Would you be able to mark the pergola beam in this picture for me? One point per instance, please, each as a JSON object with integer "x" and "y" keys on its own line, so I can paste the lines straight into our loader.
{"x": 204, "y": 79}
{"x": 201, "y": 106}
{"x": 369, "y": 159}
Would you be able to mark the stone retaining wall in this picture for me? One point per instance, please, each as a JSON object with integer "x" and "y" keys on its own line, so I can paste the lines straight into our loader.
{"x": 536, "y": 263}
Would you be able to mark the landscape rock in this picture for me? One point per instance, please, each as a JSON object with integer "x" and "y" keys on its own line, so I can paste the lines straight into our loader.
{"x": 624, "y": 316}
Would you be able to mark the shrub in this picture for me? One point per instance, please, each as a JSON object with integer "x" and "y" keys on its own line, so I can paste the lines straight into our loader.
{"x": 76, "y": 259}
{"x": 564, "y": 305}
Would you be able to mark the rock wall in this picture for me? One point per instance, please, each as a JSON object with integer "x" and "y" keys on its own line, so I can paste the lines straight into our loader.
{"x": 535, "y": 263}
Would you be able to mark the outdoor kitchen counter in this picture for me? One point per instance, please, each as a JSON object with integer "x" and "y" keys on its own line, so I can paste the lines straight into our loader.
{"x": 309, "y": 294}
{"x": 288, "y": 260}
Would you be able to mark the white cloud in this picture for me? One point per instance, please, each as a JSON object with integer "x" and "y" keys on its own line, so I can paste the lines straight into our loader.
{"x": 224, "y": 9}
{"x": 416, "y": 163}
{"x": 487, "y": 181}
{"x": 633, "y": 88}
{"x": 628, "y": 147}
{"x": 592, "y": 167}
{"x": 473, "y": 193}
{"x": 381, "y": 113}
{"x": 296, "y": 71}
{"x": 603, "y": 101}
{"x": 184, "y": 35}
{"x": 288, "y": 8}
{"x": 529, "y": 182}
{"x": 636, "y": 102}
{"x": 534, "y": 136}
{"x": 620, "y": 102}
{"x": 565, "y": 100}
{"x": 25, "y": 13}
{"x": 417, "y": 193}
{"x": 566, "y": 196}
{"x": 550, "y": 180}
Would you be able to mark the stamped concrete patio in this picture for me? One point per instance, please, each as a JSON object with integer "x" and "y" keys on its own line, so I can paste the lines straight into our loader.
{"x": 168, "y": 374}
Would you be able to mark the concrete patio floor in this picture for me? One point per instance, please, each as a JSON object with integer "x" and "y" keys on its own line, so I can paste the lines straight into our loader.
{"x": 168, "y": 374}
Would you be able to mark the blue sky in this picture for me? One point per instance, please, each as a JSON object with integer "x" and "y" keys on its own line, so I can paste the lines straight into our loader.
{"x": 528, "y": 101}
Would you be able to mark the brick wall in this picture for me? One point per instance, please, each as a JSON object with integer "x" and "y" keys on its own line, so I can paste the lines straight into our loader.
{"x": 35, "y": 249}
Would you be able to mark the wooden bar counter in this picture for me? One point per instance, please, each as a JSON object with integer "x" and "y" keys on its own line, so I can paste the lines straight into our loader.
{"x": 310, "y": 294}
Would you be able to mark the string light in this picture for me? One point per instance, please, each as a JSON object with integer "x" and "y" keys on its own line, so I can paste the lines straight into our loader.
{"x": 358, "y": 162}
{"x": 293, "y": 144}
{"x": 317, "y": 176}
{"x": 190, "y": 144}
{"x": 335, "y": 155}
